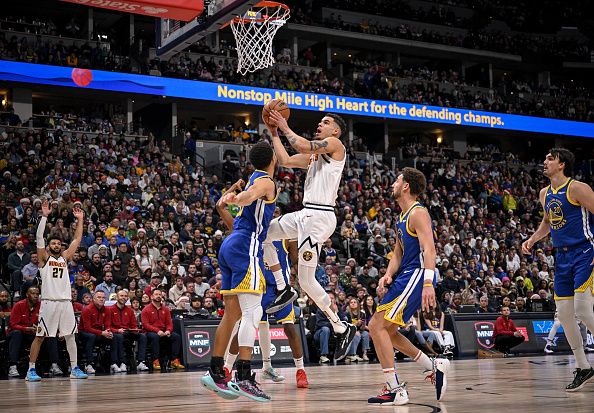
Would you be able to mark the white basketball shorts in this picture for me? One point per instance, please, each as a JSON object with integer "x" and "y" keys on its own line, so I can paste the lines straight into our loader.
{"x": 54, "y": 317}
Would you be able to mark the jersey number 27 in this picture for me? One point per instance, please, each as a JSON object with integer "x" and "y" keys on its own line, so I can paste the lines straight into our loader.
{"x": 56, "y": 271}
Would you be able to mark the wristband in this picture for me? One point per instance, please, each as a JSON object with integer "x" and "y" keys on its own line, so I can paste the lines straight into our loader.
{"x": 428, "y": 276}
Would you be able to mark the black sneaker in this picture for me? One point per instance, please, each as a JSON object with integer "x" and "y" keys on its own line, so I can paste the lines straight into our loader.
{"x": 344, "y": 340}
{"x": 283, "y": 299}
{"x": 580, "y": 377}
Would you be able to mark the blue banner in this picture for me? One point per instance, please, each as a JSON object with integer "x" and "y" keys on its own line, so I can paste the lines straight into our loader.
{"x": 220, "y": 92}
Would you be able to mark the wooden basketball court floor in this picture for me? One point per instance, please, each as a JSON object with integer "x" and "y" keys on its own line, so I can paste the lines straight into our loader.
{"x": 523, "y": 384}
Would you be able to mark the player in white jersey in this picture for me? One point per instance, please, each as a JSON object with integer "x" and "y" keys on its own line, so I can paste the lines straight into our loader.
{"x": 56, "y": 314}
{"x": 324, "y": 158}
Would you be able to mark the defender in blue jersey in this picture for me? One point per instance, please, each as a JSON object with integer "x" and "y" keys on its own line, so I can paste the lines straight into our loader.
{"x": 569, "y": 217}
{"x": 242, "y": 266}
{"x": 411, "y": 275}
{"x": 285, "y": 249}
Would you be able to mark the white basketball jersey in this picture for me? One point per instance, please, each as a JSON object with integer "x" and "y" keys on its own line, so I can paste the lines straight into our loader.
{"x": 322, "y": 180}
{"x": 55, "y": 280}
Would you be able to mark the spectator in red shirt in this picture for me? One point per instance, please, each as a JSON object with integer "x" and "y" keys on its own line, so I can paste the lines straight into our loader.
{"x": 155, "y": 282}
{"x": 93, "y": 330}
{"x": 78, "y": 307}
{"x": 158, "y": 325}
{"x": 121, "y": 321}
{"x": 4, "y": 306}
{"x": 506, "y": 334}
{"x": 23, "y": 326}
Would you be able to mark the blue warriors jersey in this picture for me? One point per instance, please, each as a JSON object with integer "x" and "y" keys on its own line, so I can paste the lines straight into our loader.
{"x": 255, "y": 218}
{"x": 412, "y": 255}
{"x": 571, "y": 224}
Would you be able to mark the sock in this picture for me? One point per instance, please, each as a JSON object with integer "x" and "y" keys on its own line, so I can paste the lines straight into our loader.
{"x": 280, "y": 280}
{"x": 216, "y": 366}
{"x": 313, "y": 289}
{"x": 72, "y": 351}
{"x": 230, "y": 361}
{"x": 424, "y": 361}
{"x": 244, "y": 370}
{"x": 391, "y": 378}
{"x": 299, "y": 363}
{"x": 31, "y": 365}
{"x": 264, "y": 334}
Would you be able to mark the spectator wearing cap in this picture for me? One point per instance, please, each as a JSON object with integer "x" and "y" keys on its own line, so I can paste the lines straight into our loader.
{"x": 156, "y": 279}
{"x": 118, "y": 271}
{"x": 506, "y": 334}
{"x": 200, "y": 287}
{"x": 449, "y": 247}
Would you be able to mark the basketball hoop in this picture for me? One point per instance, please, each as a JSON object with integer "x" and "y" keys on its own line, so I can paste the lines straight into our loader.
{"x": 254, "y": 33}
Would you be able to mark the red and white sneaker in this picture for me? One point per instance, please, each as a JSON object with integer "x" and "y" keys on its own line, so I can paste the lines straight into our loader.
{"x": 302, "y": 382}
{"x": 397, "y": 396}
{"x": 438, "y": 376}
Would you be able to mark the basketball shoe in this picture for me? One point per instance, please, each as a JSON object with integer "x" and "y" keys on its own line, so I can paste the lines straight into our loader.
{"x": 396, "y": 396}
{"x": 438, "y": 376}
{"x": 271, "y": 374}
{"x": 301, "y": 377}
{"x": 285, "y": 297}
{"x": 580, "y": 378}
{"x": 218, "y": 385}
{"x": 344, "y": 340}
{"x": 249, "y": 388}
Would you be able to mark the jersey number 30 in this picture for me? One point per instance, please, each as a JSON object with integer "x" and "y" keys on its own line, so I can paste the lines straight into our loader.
{"x": 56, "y": 271}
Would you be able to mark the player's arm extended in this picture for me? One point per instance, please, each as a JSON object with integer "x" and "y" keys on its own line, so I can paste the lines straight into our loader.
{"x": 284, "y": 159}
{"x": 262, "y": 188}
{"x": 583, "y": 194}
{"x": 80, "y": 215}
{"x": 329, "y": 145}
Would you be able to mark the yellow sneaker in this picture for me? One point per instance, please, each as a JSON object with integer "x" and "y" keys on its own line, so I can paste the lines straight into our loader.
{"x": 177, "y": 365}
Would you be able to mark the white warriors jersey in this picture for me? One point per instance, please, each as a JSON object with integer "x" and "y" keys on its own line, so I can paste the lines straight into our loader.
{"x": 55, "y": 280}
{"x": 322, "y": 180}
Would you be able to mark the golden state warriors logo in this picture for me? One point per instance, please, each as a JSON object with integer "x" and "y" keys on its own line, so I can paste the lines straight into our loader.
{"x": 555, "y": 214}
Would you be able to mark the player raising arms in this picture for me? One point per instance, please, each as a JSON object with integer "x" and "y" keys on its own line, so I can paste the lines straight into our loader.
{"x": 411, "y": 273}
{"x": 241, "y": 263}
{"x": 568, "y": 216}
{"x": 56, "y": 312}
{"x": 324, "y": 158}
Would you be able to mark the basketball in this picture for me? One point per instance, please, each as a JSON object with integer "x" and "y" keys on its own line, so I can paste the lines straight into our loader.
{"x": 82, "y": 77}
{"x": 275, "y": 104}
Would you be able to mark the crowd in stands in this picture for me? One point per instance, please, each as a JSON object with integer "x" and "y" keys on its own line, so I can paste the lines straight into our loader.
{"x": 152, "y": 223}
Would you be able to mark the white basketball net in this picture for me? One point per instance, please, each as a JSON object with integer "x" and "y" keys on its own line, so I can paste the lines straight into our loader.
{"x": 254, "y": 33}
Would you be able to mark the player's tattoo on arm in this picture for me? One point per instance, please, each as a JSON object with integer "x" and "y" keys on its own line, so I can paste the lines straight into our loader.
{"x": 292, "y": 138}
{"x": 315, "y": 145}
